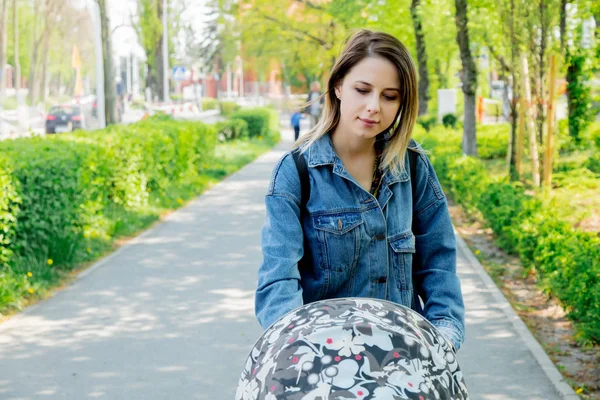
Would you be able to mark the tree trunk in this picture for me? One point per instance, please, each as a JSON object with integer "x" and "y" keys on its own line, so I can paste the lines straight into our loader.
{"x": 513, "y": 145}
{"x": 541, "y": 104}
{"x": 109, "y": 80}
{"x": 563, "y": 26}
{"x": 16, "y": 51}
{"x": 3, "y": 45}
{"x": 416, "y": 12}
{"x": 151, "y": 79}
{"x": 158, "y": 55}
{"x": 468, "y": 77}
{"x": 44, "y": 82}
{"x": 535, "y": 165}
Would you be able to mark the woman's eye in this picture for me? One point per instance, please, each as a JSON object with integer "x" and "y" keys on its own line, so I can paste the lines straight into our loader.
{"x": 390, "y": 98}
{"x": 362, "y": 91}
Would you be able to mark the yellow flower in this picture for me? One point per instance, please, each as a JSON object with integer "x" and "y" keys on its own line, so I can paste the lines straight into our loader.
{"x": 50, "y": 262}
{"x": 29, "y": 274}
{"x": 30, "y": 290}
{"x": 179, "y": 201}
{"x": 579, "y": 391}
{"x": 477, "y": 252}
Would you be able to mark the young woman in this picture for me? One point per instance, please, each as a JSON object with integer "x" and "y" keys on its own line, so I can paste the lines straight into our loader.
{"x": 371, "y": 227}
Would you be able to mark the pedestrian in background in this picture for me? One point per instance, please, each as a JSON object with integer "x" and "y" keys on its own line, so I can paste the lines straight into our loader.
{"x": 295, "y": 121}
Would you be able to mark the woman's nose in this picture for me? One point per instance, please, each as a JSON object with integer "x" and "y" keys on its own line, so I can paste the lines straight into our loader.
{"x": 373, "y": 104}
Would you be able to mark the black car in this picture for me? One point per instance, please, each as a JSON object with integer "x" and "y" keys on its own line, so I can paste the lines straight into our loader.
{"x": 65, "y": 118}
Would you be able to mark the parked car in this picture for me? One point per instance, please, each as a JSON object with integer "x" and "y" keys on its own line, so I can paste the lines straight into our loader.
{"x": 64, "y": 118}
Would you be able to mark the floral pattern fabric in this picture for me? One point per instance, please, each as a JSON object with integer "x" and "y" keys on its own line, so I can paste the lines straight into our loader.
{"x": 352, "y": 349}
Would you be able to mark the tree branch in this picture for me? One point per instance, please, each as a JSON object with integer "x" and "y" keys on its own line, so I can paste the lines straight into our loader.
{"x": 310, "y": 5}
{"x": 296, "y": 30}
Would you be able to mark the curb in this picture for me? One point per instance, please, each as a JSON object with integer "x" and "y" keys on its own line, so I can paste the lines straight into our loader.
{"x": 563, "y": 389}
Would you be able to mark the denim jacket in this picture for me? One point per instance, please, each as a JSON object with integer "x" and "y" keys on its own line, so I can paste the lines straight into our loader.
{"x": 360, "y": 246}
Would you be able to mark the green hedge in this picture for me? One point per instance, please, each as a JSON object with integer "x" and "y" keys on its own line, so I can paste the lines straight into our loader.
{"x": 260, "y": 121}
{"x": 567, "y": 261}
{"x": 209, "y": 103}
{"x": 63, "y": 197}
{"x": 232, "y": 129}
{"x": 228, "y": 108}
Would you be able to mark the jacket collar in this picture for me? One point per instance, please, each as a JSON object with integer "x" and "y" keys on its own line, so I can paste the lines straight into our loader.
{"x": 322, "y": 152}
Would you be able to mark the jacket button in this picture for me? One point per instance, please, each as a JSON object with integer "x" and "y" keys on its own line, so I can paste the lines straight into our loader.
{"x": 380, "y": 236}
{"x": 383, "y": 279}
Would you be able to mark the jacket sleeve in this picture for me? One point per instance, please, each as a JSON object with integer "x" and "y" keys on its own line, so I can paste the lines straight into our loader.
{"x": 279, "y": 290}
{"x": 434, "y": 264}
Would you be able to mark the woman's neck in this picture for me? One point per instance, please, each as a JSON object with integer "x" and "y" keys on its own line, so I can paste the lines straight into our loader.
{"x": 350, "y": 148}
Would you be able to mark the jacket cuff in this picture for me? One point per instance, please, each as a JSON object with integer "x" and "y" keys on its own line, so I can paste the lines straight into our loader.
{"x": 450, "y": 332}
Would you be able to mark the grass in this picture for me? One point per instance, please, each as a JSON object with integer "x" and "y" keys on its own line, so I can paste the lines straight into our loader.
{"x": 32, "y": 278}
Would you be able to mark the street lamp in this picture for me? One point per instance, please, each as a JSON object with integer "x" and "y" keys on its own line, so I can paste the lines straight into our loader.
{"x": 94, "y": 9}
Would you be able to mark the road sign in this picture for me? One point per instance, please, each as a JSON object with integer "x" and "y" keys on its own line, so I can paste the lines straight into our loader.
{"x": 179, "y": 73}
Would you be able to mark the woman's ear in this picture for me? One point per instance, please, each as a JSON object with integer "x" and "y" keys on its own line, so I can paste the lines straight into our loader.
{"x": 338, "y": 91}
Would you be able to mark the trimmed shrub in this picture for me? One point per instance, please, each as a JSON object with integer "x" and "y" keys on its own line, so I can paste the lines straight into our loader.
{"x": 209, "y": 103}
{"x": 492, "y": 141}
{"x": 427, "y": 121}
{"x": 232, "y": 129}
{"x": 228, "y": 108}
{"x": 258, "y": 120}
{"x": 567, "y": 261}
{"x": 450, "y": 120}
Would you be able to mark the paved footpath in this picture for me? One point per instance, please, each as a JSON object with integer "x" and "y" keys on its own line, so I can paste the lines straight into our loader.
{"x": 170, "y": 315}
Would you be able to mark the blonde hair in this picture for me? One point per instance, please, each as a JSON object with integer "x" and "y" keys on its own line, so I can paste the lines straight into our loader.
{"x": 363, "y": 44}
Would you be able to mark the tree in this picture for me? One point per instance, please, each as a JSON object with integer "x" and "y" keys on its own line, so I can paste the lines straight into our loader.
{"x": 3, "y": 43}
{"x": 109, "y": 80}
{"x": 16, "y": 49}
{"x": 150, "y": 32}
{"x": 416, "y": 13}
{"x": 578, "y": 59}
{"x": 468, "y": 77}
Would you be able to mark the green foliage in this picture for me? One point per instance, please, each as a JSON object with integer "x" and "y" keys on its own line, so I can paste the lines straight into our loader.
{"x": 593, "y": 164}
{"x": 258, "y": 120}
{"x": 9, "y": 209}
{"x": 228, "y": 108}
{"x": 64, "y": 199}
{"x": 450, "y": 120}
{"x": 567, "y": 261}
{"x": 492, "y": 141}
{"x": 232, "y": 129}
{"x": 209, "y": 103}
{"x": 579, "y": 91}
{"x": 427, "y": 121}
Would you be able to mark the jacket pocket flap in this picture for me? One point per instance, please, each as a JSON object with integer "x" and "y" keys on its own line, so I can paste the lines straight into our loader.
{"x": 338, "y": 224}
{"x": 403, "y": 243}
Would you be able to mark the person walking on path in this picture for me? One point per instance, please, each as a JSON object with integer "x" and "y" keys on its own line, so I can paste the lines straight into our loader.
{"x": 295, "y": 122}
{"x": 356, "y": 209}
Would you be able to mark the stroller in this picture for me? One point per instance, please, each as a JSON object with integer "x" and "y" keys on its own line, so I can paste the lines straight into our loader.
{"x": 351, "y": 348}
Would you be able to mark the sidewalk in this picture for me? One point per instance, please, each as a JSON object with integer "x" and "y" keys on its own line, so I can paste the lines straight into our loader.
{"x": 170, "y": 315}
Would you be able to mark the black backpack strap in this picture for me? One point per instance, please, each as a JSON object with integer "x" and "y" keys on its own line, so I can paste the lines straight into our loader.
{"x": 412, "y": 162}
{"x": 305, "y": 263}
{"x": 304, "y": 181}
{"x": 413, "y": 157}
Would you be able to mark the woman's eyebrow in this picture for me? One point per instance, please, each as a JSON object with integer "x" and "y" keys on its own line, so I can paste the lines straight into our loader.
{"x": 368, "y": 84}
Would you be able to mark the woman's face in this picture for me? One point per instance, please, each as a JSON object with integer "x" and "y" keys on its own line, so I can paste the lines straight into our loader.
{"x": 370, "y": 98}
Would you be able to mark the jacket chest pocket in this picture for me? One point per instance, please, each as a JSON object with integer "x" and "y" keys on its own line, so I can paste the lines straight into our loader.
{"x": 338, "y": 235}
{"x": 403, "y": 248}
